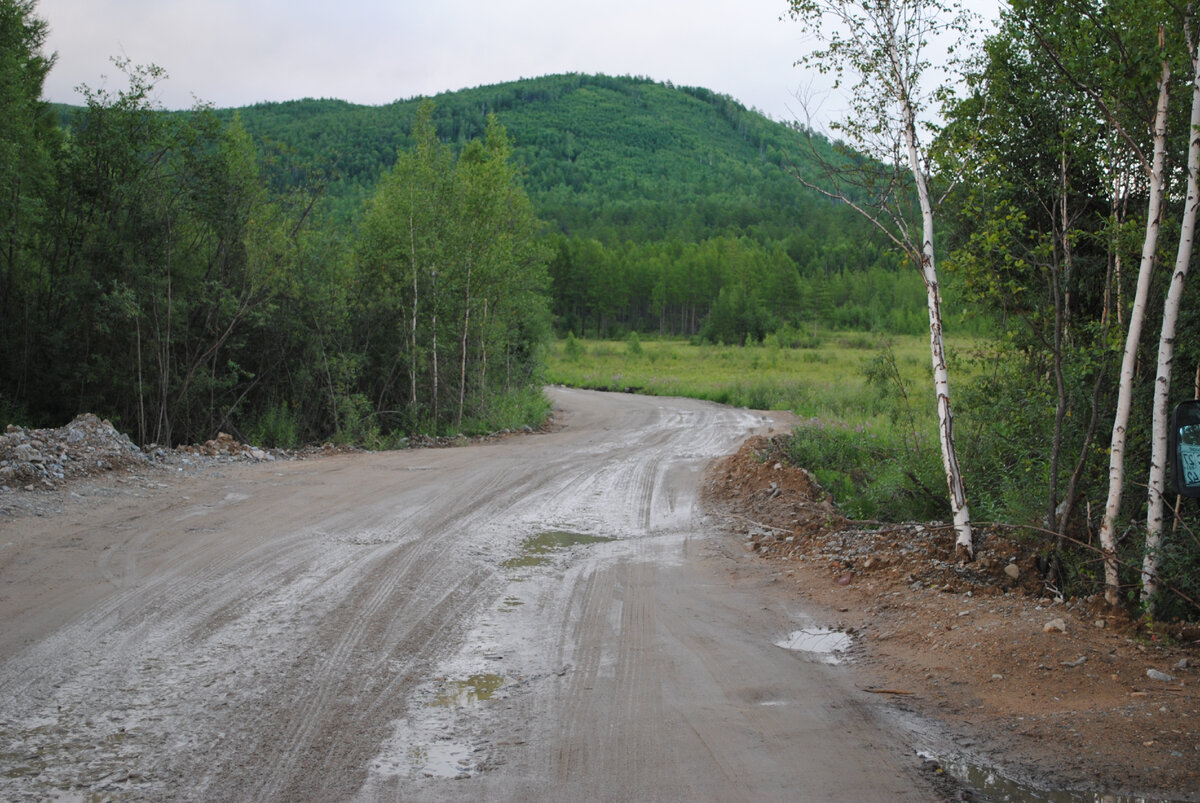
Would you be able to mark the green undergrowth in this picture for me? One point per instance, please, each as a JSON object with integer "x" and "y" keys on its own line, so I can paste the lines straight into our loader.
{"x": 868, "y": 430}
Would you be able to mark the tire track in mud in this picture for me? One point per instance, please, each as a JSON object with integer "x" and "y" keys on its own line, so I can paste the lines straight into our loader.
{"x": 270, "y": 653}
{"x": 496, "y": 493}
{"x": 637, "y": 681}
{"x": 575, "y": 744}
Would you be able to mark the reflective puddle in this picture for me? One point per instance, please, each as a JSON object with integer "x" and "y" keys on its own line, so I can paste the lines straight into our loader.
{"x": 536, "y": 550}
{"x": 828, "y": 645}
{"x": 475, "y": 689}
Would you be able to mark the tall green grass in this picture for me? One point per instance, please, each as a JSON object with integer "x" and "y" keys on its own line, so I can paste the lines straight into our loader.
{"x": 869, "y": 426}
{"x": 827, "y": 382}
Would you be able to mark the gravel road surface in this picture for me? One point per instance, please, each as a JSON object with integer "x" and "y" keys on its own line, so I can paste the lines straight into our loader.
{"x": 548, "y": 617}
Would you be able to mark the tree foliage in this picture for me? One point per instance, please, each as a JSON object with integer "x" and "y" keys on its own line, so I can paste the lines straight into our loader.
{"x": 156, "y": 270}
{"x": 1059, "y": 123}
{"x": 452, "y": 288}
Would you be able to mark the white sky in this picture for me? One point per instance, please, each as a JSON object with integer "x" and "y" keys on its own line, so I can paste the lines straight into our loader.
{"x": 239, "y": 52}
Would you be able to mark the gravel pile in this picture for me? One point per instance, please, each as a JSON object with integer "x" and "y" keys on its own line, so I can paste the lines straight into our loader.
{"x": 40, "y": 458}
{"x": 45, "y": 459}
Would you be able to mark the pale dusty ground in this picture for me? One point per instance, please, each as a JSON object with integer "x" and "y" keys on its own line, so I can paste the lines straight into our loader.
{"x": 379, "y": 627}
{"x": 967, "y": 645}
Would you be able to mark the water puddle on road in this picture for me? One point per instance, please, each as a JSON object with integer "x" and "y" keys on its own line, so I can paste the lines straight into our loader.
{"x": 442, "y": 760}
{"x": 827, "y": 645}
{"x": 475, "y": 689}
{"x": 536, "y": 550}
{"x": 987, "y": 783}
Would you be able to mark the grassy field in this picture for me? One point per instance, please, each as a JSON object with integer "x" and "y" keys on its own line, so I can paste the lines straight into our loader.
{"x": 829, "y": 382}
{"x": 870, "y": 428}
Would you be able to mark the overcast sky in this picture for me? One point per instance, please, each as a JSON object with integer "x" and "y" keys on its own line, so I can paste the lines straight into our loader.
{"x": 240, "y": 52}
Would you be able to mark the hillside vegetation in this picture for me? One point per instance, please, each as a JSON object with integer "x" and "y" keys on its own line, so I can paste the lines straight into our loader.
{"x": 658, "y": 202}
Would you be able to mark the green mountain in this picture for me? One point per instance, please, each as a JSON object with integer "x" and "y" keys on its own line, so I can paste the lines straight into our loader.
{"x": 635, "y": 180}
{"x": 610, "y": 157}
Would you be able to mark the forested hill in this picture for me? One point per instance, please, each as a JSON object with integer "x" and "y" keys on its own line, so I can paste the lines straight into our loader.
{"x": 613, "y": 158}
{"x": 657, "y": 200}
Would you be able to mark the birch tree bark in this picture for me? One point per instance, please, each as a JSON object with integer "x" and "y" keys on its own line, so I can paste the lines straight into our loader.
{"x": 880, "y": 46}
{"x": 937, "y": 348}
{"x": 1166, "y": 351}
{"x": 1116, "y": 463}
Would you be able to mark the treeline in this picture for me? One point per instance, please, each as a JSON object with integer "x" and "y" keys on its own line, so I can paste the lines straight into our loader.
{"x": 729, "y": 290}
{"x": 157, "y": 270}
{"x": 656, "y": 199}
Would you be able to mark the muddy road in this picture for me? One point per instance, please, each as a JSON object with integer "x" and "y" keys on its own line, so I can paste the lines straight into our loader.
{"x": 549, "y": 617}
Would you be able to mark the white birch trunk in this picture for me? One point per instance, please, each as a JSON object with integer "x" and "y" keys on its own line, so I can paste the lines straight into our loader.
{"x": 941, "y": 378}
{"x": 462, "y": 373}
{"x": 1166, "y": 353}
{"x": 1116, "y": 462}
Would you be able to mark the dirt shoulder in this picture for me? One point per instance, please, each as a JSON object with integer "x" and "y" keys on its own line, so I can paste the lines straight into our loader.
{"x": 1060, "y": 694}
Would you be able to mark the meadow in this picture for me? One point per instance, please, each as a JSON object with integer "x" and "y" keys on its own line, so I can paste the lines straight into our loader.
{"x": 868, "y": 430}
{"x": 847, "y": 378}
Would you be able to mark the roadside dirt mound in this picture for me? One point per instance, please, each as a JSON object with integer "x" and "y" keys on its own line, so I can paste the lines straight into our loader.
{"x": 41, "y": 468}
{"x": 1058, "y": 693}
{"x": 33, "y": 458}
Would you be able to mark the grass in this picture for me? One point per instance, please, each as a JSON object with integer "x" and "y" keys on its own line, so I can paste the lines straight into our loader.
{"x": 828, "y": 382}
{"x": 871, "y": 442}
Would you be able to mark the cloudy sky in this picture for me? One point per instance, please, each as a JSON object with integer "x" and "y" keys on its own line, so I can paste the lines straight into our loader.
{"x": 239, "y": 52}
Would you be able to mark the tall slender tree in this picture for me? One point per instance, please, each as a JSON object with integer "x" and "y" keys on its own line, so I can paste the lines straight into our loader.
{"x": 1166, "y": 343}
{"x": 28, "y": 146}
{"x": 881, "y": 46}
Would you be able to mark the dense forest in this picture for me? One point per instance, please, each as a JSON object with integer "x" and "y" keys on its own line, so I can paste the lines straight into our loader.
{"x": 655, "y": 199}
{"x": 163, "y": 270}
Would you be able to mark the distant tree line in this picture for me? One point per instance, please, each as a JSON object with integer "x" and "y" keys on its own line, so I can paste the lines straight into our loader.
{"x": 656, "y": 199}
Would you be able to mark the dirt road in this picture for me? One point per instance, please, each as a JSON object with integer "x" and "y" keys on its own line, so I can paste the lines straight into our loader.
{"x": 543, "y": 618}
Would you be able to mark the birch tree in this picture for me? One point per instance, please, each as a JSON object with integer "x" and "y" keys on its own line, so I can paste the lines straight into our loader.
{"x": 881, "y": 48}
{"x": 1137, "y": 317}
{"x": 1166, "y": 343}
{"x": 1118, "y": 95}
{"x": 449, "y": 262}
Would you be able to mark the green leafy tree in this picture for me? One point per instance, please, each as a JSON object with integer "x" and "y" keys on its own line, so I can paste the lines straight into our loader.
{"x": 449, "y": 257}
{"x": 29, "y": 143}
{"x": 881, "y": 47}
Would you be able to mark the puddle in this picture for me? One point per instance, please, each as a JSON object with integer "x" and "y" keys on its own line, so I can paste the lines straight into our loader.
{"x": 988, "y": 784}
{"x": 475, "y": 689}
{"x": 412, "y": 753}
{"x": 536, "y": 549}
{"x": 441, "y": 760}
{"x": 827, "y": 644}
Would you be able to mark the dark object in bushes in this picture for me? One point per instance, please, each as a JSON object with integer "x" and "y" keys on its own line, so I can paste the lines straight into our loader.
{"x": 1185, "y": 448}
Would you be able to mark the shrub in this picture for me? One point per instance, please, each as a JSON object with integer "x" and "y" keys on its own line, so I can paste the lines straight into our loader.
{"x": 278, "y": 427}
{"x": 870, "y": 476}
{"x": 574, "y": 350}
{"x": 633, "y": 345}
